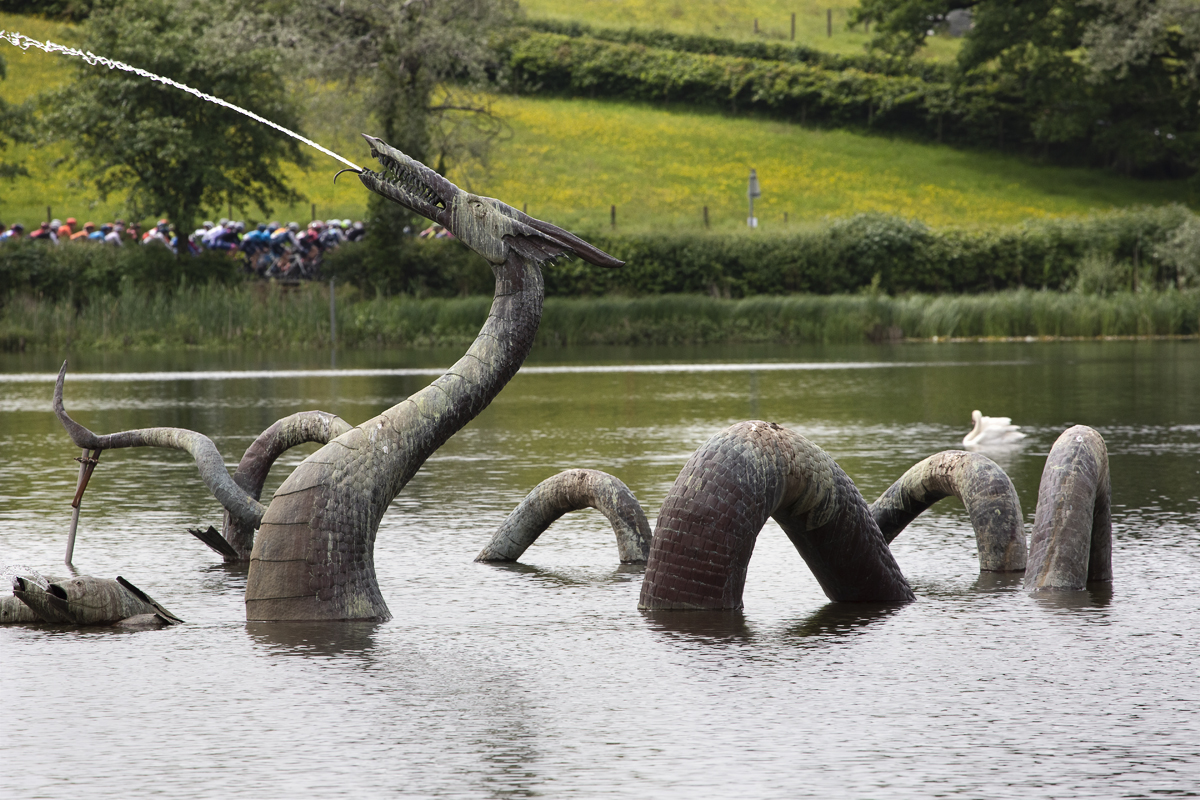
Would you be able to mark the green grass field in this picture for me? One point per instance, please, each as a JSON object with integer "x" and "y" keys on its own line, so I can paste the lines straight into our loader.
{"x": 730, "y": 19}
{"x": 570, "y": 160}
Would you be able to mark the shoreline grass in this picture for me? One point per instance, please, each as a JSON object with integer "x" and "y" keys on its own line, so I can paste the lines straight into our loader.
{"x": 216, "y": 317}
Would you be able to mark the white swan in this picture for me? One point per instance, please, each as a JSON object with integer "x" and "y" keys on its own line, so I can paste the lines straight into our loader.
{"x": 992, "y": 431}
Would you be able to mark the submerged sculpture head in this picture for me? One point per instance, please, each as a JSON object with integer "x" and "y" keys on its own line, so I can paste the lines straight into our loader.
{"x": 489, "y": 227}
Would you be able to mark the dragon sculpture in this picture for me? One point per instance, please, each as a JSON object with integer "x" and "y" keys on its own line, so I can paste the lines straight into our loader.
{"x": 313, "y": 555}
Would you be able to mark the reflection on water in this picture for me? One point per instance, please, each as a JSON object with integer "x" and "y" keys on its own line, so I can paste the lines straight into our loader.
{"x": 840, "y": 619}
{"x": 998, "y": 581}
{"x": 314, "y": 639}
{"x": 542, "y": 678}
{"x": 621, "y": 573}
{"x": 1097, "y": 595}
{"x": 700, "y": 626}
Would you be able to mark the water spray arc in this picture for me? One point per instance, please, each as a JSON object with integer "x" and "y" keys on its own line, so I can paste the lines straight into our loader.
{"x": 24, "y": 42}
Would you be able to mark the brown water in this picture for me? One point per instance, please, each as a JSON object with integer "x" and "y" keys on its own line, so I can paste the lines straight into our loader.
{"x": 543, "y": 678}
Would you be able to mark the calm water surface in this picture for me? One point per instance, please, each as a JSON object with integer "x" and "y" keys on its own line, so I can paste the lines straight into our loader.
{"x": 543, "y": 678}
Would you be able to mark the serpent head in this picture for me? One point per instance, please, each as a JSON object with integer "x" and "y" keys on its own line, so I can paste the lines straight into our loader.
{"x": 489, "y": 227}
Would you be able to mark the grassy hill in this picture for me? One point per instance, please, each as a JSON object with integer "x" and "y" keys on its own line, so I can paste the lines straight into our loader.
{"x": 570, "y": 160}
{"x": 730, "y": 19}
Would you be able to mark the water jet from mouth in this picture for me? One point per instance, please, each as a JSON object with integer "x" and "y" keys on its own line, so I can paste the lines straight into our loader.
{"x": 24, "y": 42}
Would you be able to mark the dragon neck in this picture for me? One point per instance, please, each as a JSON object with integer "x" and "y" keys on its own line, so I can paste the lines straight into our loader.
{"x": 423, "y": 422}
{"x": 313, "y": 557}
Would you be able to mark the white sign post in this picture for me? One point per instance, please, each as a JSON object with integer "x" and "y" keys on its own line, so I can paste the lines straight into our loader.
{"x": 752, "y": 192}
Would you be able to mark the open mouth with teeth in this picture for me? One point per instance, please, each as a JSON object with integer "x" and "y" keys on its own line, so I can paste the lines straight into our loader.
{"x": 486, "y": 225}
{"x": 407, "y": 181}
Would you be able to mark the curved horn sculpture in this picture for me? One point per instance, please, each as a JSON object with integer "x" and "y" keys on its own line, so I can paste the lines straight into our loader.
{"x": 729, "y": 487}
{"x": 983, "y": 487}
{"x": 234, "y": 498}
{"x": 572, "y": 490}
{"x": 251, "y": 472}
{"x": 313, "y": 557}
{"x": 1071, "y": 543}
{"x": 240, "y": 494}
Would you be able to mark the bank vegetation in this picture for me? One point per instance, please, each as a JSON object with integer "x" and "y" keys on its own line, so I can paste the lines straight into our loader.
{"x": 274, "y": 316}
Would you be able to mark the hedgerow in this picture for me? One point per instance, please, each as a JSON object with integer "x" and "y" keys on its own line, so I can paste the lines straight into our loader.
{"x": 763, "y": 50}
{"x": 1133, "y": 249}
{"x": 888, "y": 254}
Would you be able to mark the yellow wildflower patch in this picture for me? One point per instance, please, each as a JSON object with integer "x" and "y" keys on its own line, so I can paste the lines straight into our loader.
{"x": 571, "y": 160}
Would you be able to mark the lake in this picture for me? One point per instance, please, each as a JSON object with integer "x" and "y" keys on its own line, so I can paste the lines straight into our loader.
{"x": 543, "y": 678}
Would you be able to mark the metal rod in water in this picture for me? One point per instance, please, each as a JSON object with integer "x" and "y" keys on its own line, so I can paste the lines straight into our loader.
{"x": 75, "y": 509}
{"x": 24, "y": 42}
{"x": 87, "y": 464}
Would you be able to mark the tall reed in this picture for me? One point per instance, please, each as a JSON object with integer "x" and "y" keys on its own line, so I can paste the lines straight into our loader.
{"x": 269, "y": 316}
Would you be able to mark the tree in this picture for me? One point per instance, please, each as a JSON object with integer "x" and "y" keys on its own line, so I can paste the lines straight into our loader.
{"x": 171, "y": 152}
{"x": 1145, "y": 56}
{"x": 421, "y": 66}
{"x": 74, "y": 10}
{"x": 1116, "y": 78}
{"x": 14, "y": 127}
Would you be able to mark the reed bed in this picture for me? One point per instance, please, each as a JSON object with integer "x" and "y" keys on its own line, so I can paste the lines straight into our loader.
{"x": 258, "y": 316}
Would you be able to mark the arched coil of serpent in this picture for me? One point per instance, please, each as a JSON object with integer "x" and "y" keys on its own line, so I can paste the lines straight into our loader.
{"x": 708, "y": 523}
{"x": 706, "y": 530}
{"x": 984, "y": 489}
{"x": 573, "y": 490}
{"x": 1071, "y": 544}
{"x": 236, "y": 540}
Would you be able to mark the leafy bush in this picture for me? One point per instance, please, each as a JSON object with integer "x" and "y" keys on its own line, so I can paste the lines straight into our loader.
{"x": 592, "y": 67}
{"x": 1181, "y": 252}
{"x": 893, "y": 255}
{"x": 873, "y": 250}
{"x": 405, "y": 265}
{"x": 84, "y": 271}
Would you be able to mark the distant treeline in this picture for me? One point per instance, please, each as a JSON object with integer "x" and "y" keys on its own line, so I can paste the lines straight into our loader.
{"x": 981, "y": 108}
{"x": 1149, "y": 248}
{"x": 276, "y": 317}
{"x": 1131, "y": 249}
